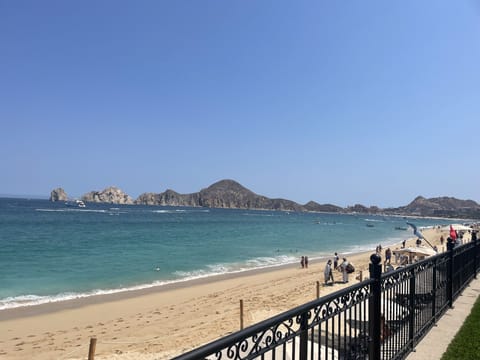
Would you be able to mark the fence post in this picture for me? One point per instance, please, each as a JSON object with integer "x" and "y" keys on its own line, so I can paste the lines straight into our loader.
{"x": 450, "y": 246}
{"x": 374, "y": 307}
{"x": 475, "y": 260}
{"x": 411, "y": 309}
{"x": 91, "y": 348}
{"x": 434, "y": 291}
{"x": 303, "y": 336}
{"x": 241, "y": 314}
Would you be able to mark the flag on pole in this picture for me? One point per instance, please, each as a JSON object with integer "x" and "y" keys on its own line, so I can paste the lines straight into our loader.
{"x": 416, "y": 232}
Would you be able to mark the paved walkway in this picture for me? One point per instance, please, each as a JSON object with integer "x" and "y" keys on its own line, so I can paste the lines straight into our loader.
{"x": 435, "y": 343}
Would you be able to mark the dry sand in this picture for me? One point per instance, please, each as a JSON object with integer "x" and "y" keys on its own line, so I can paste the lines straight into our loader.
{"x": 167, "y": 321}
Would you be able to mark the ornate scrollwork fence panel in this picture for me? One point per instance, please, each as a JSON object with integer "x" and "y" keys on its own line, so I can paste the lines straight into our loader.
{"x": 332, "y": 327}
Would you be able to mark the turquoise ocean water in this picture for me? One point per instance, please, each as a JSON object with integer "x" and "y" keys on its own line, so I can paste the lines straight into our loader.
{"x": 52, "y": 252}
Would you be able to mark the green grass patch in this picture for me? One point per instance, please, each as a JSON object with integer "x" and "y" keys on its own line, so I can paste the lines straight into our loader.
{"x": 466, "y": 344}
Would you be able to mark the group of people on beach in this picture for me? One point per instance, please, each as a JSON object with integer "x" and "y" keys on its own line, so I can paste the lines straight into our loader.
{"x": 345, "y": 268}
{"x": 304, "y": 262}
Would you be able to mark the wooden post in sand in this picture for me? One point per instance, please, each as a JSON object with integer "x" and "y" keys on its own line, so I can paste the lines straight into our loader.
{"x": 318, "y": 289}
{"x": 241, "y": 314}
{"x": 91, "y": 349}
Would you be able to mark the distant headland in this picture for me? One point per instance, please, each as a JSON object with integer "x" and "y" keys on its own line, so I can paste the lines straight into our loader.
{"x": 229, "y": 194}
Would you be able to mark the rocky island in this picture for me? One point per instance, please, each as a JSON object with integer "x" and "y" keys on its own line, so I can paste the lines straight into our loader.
{"x": 111, "y": 195}
{"x": 58, "y": 194}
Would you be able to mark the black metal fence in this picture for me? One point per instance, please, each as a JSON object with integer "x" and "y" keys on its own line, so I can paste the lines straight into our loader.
{"x": 383, "y": 317}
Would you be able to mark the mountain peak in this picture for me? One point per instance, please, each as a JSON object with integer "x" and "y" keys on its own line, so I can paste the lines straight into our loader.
{"x": 226, "y": 185}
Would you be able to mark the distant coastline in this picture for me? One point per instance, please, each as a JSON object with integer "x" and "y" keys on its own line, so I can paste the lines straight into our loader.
{"x": 229, "y": 194}
{"x": 23, "y": 196}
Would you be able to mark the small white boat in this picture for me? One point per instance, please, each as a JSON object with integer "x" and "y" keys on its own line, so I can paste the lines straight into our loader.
{"x": 76, "y": 203}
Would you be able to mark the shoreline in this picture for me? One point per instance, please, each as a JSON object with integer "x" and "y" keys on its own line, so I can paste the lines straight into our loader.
{"x": 95, "y": 299}
{"x": 165, "y": 321}
{"x": 97, "y": 296}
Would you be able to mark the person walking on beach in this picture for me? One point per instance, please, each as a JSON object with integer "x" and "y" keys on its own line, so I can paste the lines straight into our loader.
{"x": 306, "y": 262}
{"x": 388, "y": 256}
{"x": 327, "y": 273}
{"x": 335, "y": 261}
{"x": 343, "y": 268}
{"x": 302, "y": 262}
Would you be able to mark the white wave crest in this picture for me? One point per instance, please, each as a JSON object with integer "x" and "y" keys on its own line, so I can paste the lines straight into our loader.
{"x": 73, "y": 210}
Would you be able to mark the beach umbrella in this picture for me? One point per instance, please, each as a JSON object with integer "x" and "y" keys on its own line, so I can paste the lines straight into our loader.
{"x": 417, "y": 251}
{"x": 457, "y": 227}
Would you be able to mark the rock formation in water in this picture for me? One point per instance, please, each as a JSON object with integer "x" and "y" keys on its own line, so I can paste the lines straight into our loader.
{"x": 58, "y": 194}
{"x": 111, "y": 195}
{"x": 168, "y": 198}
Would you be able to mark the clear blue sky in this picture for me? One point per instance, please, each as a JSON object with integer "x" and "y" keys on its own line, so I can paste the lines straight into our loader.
{"x": 371, "y": 102}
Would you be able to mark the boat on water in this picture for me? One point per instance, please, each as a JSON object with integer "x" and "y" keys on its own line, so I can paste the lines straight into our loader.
{"x": 370, "y": 225}
{"x": 76, "y": 203}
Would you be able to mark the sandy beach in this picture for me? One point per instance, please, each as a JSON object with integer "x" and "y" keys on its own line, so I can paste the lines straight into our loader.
{"x": 163, "y": 322}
